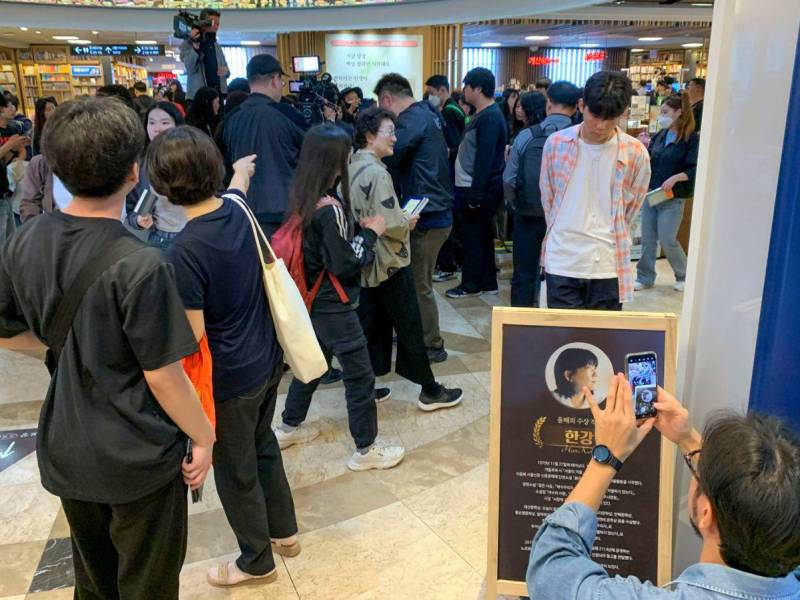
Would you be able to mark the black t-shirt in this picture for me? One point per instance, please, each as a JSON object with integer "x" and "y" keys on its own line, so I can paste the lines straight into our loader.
{"x": 102, "y": 435}
{"x": 13, "y": 128}
{"x": 218, "y": 271}
{"x": 209, "y": 49}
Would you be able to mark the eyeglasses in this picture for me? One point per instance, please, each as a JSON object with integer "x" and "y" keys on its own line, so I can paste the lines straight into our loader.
{"x": 387, "y": 132}
{"x": 692, "y": 459}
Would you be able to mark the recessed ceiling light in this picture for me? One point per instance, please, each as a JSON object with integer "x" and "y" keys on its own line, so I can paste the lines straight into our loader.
{"x": 39, "y": 32}
{"x": 490, "y": 45}
{"x": 23, "y": 29}
{"x": 65, "y": 37}
{"x": 80, "y": 41}
{"x": 250, "y": 43}
{"x": 692, "y": 45}
{"x": 592, "y": 45}
{"x": 537, "y": 38}
{"x": 95, "y": 32}
{"x": 702, "y": 4}
{"x": 650, "y": 39}
{"x": 637, "y": 49}
{"x": 147, "y": 42}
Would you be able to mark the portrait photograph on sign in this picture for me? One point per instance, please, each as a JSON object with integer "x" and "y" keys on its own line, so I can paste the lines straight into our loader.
{"x": 542, "y": 436}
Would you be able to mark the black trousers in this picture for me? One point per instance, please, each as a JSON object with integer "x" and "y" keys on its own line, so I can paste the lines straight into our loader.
{"x": 393, "y": 306}
{"x": 340, "y": 335}
{"x": 129, "y": 551}
{"x": 569, "y": 292}
{"x": 451, "y": 255}
{"x": 528, "y": 236}
{"x": 250, "y": 478}
{"x": 478, "y": 272}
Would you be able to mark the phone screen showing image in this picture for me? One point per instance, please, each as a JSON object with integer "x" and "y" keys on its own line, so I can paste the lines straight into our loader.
{"x": 643, "y": 376}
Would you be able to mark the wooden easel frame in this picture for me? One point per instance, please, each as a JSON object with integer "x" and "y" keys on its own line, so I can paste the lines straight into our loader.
{"x": 589, "y": 320}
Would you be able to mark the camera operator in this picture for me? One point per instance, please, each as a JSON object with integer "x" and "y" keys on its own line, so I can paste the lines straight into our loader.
{"x": 203, "y": 58}
{"x": 743, "y": 503}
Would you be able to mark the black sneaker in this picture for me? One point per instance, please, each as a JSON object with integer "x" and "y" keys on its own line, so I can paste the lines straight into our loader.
{"x": 447, "y": 398}
{"x": 459, "y": 292}
{"x": 382, "y": 394}
{"x": 437, "y": 355}
{"x": 440, "y": 276}
{"x": 332, "y": 376}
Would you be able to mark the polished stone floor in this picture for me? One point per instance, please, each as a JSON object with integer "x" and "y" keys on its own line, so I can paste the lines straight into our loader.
{"x": 417, "y": 531}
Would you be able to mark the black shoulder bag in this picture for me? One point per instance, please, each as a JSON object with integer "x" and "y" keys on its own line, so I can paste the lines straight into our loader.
{"x": 109, "y": 254}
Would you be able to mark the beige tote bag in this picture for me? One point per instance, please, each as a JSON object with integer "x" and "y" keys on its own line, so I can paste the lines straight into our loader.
{"x": 301, "y": 350}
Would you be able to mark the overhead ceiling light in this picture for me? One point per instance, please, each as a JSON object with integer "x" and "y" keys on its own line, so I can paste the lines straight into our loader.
{"x": 590, "y": 45}
{"x": 65, "y": 37}
{"x": 250, "y": 43}
{"x": 702, "y": 4}
{"x": 39, "y": 32}
{"x": 637, "y": 49}
{"x": 146, "y": 42}
{"x": 490, "y": 45}
{"x": 23, "y": 29}
{"x": 95, "y": 32}
{"x": 537, "y": 38}
{"x": 650, "y": 39}
{"x": 80, "y": 41}
{"x": 692, "y": 45}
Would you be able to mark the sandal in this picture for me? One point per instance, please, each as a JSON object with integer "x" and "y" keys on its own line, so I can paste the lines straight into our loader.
{"x": 287, "y": 550}
{"x": 227, "y": 574}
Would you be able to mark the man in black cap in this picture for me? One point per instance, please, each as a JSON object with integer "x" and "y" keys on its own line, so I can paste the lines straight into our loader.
{"x": 272, "y": 130}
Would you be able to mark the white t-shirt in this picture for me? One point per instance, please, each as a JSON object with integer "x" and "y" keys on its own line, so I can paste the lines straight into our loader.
{"x": 581, "y": 242}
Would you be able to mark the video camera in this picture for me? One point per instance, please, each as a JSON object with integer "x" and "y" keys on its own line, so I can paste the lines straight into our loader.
{"x": 184, "y": 22}
{"x": 312, "y": 92}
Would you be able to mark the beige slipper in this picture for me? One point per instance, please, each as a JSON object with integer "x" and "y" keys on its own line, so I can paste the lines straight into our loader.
{"x": 229, "y": 575}
{"x": 287, "y": 550}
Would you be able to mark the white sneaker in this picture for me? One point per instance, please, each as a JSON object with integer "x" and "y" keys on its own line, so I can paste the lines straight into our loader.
{"x": 679, "y": 286}
{"x": 379, "y": 456}
{"x": 302, "y": 434}
{"x": 638, "y": 286}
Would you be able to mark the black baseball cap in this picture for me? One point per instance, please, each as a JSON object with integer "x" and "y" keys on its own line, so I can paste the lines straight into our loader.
{"x": 263, "y": 64}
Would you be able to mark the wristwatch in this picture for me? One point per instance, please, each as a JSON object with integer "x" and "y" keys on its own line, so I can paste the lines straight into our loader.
{"x": 603, "y": 455}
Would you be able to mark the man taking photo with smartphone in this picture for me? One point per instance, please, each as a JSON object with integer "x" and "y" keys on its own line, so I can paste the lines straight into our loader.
{"x": 743, "y": 502}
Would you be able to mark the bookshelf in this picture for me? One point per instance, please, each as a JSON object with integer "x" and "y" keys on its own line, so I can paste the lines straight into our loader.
{"x": 127, "y": 74}
{"x": 667, "y": 62}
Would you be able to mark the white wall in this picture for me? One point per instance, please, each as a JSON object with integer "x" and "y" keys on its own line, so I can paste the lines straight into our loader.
{"x": 750, "y": 70}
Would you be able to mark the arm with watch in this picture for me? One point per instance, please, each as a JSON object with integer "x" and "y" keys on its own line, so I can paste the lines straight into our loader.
{"x": 561, "y": 566}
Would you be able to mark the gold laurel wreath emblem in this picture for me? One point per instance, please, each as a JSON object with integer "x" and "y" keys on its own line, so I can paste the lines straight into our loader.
{"x": 537, "y": 431}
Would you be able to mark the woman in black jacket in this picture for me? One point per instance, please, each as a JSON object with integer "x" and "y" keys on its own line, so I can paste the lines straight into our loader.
{"x": 204, "y": 111}
{"x": 334, "y": 250}
{"x": 673, "y": 161}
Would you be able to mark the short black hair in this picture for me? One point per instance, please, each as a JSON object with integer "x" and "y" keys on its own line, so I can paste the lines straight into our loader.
{"x": 240, "y": 84}
{"x": 357, "y": 90}
{"x": 481, "y": 78}
{"x": 91, "y": 145}
{"x": 564, "y": 93}
{"x": 571, "y": 360}
{"x": 369, "y": 121}
{"x": 185, "y": 165}
{"x": 749, "y": 470}
{"x": 4, "y": 101}
{"x": 607, "y": 94}
{"x": 543, "y": 83}
{"x": 534, "y": 105}
{"x": 140, "y": 86}
{"x": 698, "y": 81}
{"x": 438, "y": 81}
{"x": 11, "y": 99}
{"x": 394, "y": 84}
{"x": 209, "y": 12}
{"x": 116, "y": 90}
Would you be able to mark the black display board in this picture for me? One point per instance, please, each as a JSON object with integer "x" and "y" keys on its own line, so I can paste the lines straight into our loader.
{"x": 543, "y": 434}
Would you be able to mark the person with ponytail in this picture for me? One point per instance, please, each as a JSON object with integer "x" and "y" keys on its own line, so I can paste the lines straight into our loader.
{"x": 673, "y": 160}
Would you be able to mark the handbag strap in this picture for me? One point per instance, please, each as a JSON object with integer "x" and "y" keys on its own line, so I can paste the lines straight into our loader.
{"x": 109, "y": 254}
{"x": 258, "y": 233}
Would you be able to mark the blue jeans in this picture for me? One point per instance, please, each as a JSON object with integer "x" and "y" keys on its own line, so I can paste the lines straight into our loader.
{"x": 7, "y": 225}
{"x": 660, "y": 223}
{"x": 528, "y": 235}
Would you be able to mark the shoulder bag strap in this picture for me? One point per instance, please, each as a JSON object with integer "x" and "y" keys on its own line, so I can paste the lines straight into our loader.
{"x": 258, "y": 233}
{"x": 109, "y": 254}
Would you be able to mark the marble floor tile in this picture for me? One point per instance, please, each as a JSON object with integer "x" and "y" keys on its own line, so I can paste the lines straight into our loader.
{"x": 339, "y": 499}
{"x": 451, "y": 321}
{"x": 209, "y": 536}
{"x": 461, "y": 524}
{"x": 25, "y": 470}
{"x": 61, "y": 594}
{"x": 464, "y": 344}
{"x": 27, "y": 513}
{"x": 316, "y": 461}
{"x": 55, "y": 570}
{"x": 387, "y": 553}
{"x": 477, "y": 361}
{"x": 16, "y": 368}
{"x": 19, "y": 597}
{"x": 60, "y": 526}
{"x": 18, "y": 563}
{"x": 195, "y": 587}
{"x": 480, "y": 318}
{"x": 16, "y": 415}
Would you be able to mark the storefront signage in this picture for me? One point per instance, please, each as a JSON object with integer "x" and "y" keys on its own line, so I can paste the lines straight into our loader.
{"x": 541, "y": 61}
{"x": 362, "y": 59}
{"x": 598, "y": 56}
{"x": 85, "y": 71}
{"x": 542, "y": 435}
{"x": 117, "y": 50}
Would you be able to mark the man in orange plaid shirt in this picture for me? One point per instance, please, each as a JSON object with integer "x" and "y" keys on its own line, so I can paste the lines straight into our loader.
{"x": 594, "y": 179}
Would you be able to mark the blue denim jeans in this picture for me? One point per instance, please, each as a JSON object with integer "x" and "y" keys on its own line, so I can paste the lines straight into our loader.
{"x": 7, "y": 225}
{"x": 660, "y": 223}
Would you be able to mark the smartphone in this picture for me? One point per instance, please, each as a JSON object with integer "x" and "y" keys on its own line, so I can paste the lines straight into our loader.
{"x": 642, "y": 372}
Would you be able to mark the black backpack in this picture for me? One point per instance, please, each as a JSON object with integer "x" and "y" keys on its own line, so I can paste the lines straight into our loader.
{"x": 528, "y": 197}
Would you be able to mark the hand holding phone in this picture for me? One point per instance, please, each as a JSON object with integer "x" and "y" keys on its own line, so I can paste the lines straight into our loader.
{"x": 641, "y": 370}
